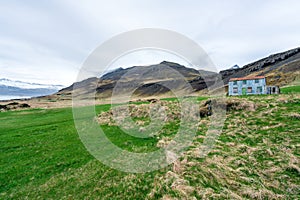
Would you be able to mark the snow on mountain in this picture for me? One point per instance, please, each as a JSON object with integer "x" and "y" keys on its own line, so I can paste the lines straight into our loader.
{"x": 13, "y": 89}
{"x": 27, "y": 85}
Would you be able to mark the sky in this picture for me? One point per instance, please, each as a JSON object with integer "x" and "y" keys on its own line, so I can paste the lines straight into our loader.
{"x": 48, "y": 41}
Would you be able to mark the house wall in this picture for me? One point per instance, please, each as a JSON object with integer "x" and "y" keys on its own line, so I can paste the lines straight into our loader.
{"x": 273, "y": 90}
{"x": 249, "y": 83}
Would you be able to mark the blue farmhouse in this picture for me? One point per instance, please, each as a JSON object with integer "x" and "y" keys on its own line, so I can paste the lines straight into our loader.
{"x": 247, "y": 85}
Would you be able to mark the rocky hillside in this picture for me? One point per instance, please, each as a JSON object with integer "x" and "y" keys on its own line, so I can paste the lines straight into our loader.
{"x": 280, "y": 69}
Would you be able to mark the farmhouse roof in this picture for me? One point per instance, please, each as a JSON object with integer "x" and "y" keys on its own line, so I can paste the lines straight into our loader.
{"x": 247, "y": 78}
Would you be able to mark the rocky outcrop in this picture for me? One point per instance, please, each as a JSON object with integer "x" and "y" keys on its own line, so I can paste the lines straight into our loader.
{"x": 13, "y": 106}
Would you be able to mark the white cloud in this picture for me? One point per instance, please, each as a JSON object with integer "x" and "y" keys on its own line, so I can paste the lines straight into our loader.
{"x": 49, "y": 41}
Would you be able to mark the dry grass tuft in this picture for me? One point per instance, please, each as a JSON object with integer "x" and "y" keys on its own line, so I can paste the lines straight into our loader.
{"x": 295, "y": 115}
{"x": 240, "y": 104}
{"x": 261, "y": 194}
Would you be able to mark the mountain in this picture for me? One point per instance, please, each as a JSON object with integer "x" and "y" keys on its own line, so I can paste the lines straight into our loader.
{"x": 146, "y": 81}
{"x": 19, "y": 89}
{"x": 280, "y": 69}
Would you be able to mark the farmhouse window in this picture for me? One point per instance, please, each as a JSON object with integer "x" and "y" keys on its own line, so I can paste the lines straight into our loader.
{"x": 244, "y": 82}
{"x": 234, "y": 82}
{"x": 259, "y": 90}
{"x": 235, "y": 90}
{"x": 256, "y": 80}
{"x": 249, "y": 90}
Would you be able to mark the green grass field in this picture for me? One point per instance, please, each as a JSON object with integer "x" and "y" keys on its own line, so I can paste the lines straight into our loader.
{"x": 256, "y": 157}
{"x": 291, "y": 89}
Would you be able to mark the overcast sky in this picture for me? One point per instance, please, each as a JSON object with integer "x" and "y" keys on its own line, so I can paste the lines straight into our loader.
{"x": 47, "y": 41}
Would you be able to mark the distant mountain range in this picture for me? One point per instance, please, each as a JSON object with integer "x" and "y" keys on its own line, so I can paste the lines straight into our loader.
{"x": 280, "y": 69}
{"x": 20, "y": 89}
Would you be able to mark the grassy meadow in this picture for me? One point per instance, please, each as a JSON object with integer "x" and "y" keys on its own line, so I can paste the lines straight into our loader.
{"x": 257, "y": 156}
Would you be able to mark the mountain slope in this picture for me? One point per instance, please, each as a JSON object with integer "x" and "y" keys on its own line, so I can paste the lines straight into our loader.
{"x": 280, "y": 69}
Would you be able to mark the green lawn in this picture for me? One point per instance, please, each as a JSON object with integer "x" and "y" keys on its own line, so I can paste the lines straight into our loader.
{"x": 291, "y": 89}
{"x": 257, "y": 156}
{"x": 35, "y": 145}
{"x": 39, "y": 147}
